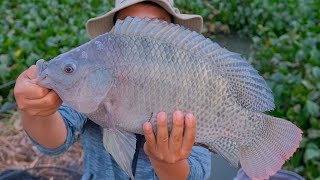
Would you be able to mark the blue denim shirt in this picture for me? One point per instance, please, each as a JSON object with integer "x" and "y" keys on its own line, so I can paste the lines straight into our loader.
{"x": 98, "y": 163}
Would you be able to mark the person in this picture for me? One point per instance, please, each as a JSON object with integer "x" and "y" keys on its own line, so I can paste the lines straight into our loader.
{"x": 52, "y": 125}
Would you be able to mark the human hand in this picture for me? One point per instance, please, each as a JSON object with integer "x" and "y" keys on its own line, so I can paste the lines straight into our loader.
{"x": 33, "y": 99}
{"x": 174, "y": 148}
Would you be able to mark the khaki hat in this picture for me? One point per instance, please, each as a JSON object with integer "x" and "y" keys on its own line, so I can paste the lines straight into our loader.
{"x": 102, "y": 24}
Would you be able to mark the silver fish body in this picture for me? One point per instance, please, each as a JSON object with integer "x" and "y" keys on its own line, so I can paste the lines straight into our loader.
{"x": 122, "y": 79}
{"x": 150, "y": 77}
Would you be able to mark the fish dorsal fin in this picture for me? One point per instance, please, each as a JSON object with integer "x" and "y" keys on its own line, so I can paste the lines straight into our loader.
{"x": 250, "y": 88}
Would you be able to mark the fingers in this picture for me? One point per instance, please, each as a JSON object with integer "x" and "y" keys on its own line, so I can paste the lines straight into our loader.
{"x": 189, "y": 135}
{"x": 29, "y": 90}
{"x": 33, "y": 99}
{"x": 31, "y": 73}
{"x": 175, "y": 141}
{"x": 34, "y": 91}
{"x": 42, "y": 107}
{"x": 176, "y": 147}
{"x": 150, "y": 145}
{"x": 162, "y": 133}
{"x": 49, "y": 100}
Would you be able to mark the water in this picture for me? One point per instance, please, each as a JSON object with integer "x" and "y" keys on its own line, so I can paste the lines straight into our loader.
{"x": 234, "y": 43}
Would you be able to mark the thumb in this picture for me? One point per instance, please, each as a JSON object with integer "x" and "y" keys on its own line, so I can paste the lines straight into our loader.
{"x": 31, "y": 73}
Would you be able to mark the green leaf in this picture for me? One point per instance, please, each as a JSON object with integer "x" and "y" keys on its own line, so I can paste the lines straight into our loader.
{"x": 304, "y": 142}
{"x": 311, "y": 152}
{"x": 313, "y": 133}
{"x": 312, "y": 108}
{"x": 316, "y": 72}
{"x": 308, "y": 84}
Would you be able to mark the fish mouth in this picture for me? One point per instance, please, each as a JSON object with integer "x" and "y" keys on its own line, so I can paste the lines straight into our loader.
{"x": 42, "y": 68}
{"x": 42, "y": 74}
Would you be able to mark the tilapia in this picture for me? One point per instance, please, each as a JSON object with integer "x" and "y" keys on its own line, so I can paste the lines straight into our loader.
{"x": 123, "y": 78}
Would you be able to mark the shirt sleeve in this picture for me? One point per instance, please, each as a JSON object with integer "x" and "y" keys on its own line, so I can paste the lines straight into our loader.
{"x": 74, "y": 122}
{"x": 200, "y": 163}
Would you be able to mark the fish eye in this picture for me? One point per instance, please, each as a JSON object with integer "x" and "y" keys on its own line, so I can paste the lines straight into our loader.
{"x": 69, "y": 68}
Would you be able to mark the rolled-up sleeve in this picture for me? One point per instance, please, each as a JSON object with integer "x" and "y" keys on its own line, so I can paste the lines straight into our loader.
{"x": 200, "y": 163}
{"x": 74, "y": 122}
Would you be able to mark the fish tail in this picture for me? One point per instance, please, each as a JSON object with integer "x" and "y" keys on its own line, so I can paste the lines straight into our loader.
{"x": 277, "y": 142}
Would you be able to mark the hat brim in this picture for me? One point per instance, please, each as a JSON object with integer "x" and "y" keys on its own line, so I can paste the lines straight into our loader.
{"x": 102, "y": 24}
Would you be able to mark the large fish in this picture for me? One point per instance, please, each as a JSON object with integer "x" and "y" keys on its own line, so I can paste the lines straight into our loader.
{"x": 124, "y": 78}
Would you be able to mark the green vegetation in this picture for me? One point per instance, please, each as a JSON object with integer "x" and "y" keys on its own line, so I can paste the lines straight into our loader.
{"x": 285, "y": 36}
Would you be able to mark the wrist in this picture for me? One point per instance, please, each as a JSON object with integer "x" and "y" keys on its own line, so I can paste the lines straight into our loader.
{"x": 30, "y": 122}
{"x": 48, "y": 131}
{"x": 26, "y": 116}
{"x": 177, "y": 170}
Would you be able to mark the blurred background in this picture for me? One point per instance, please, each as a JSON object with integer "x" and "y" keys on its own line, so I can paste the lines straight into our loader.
{"x": 280, "y": 38}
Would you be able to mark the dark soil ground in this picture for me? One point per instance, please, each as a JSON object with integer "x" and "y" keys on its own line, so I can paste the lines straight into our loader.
{"x": 18, "y": 152}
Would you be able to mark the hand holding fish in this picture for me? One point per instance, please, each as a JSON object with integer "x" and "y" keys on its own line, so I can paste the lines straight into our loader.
{"x": 39, "y": 110}
{"x": 170, "y": 153}
{"x": 32, "y": 99}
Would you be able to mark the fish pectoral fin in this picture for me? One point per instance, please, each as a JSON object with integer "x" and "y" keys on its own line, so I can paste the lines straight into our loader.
{"x": 94, "y": 89}
{"x": 121, "y": 145}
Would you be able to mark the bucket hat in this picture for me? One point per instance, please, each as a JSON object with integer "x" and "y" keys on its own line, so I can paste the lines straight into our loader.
{"x": 102, "y": 24}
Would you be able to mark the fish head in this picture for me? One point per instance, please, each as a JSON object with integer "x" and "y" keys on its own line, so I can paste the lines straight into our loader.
{"x": 57, "y": 74}
{"x": 60, "y": 74}
{"x": 79, "y": 77}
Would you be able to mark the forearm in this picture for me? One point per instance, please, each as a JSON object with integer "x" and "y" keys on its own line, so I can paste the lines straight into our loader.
{"x": 176, "y": 171}
{"x": 50, "y": 132}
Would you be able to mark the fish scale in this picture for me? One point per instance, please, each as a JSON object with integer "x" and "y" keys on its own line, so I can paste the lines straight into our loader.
{"x": 173, "y": 78}
{"x": 122, "y": 79}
